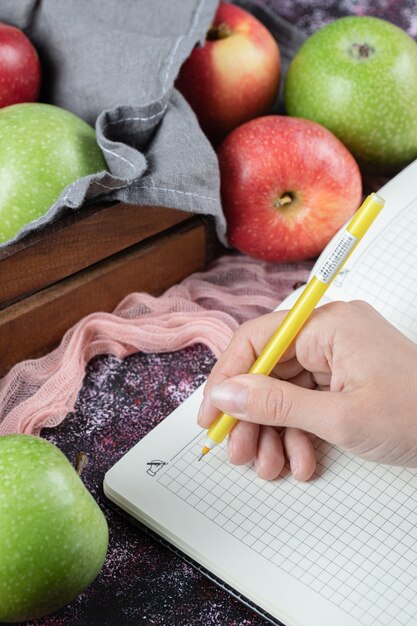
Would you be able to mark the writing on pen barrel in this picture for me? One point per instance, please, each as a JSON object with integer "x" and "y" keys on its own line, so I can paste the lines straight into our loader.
{"x": 300, "y": 312}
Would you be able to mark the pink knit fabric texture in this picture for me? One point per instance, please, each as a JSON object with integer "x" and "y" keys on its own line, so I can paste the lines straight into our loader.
{"x": 207, "y": 307}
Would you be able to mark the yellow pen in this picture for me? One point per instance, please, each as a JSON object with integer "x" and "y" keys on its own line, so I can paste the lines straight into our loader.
{"x": 303, "y": 307}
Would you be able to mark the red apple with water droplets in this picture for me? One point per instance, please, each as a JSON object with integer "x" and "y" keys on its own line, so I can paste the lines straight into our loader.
{"x": 287, "y": 185}
{"x": 20, "y": 70}
{"x": 235, "y": 76}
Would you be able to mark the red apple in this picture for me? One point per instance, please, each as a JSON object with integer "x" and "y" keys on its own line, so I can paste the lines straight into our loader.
{"x": 235, "y": 76}
{"x": 288, "y": 185}
{"x": 20, "y": 70}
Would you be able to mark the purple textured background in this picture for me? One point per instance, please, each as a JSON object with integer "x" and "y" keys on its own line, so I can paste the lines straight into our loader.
{"x": 309, "y": 15}
{"x": 141, "y": 581}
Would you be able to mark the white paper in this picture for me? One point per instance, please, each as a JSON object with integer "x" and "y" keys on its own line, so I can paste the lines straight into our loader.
{"x": 339, "y": 549}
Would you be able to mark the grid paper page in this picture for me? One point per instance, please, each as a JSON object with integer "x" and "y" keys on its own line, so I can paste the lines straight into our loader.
{"x": 385, "y": 273}
{"x": 350, "y": 534}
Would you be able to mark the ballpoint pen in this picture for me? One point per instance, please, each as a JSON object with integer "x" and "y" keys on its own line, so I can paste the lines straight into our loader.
{"x": 303, "y": 307}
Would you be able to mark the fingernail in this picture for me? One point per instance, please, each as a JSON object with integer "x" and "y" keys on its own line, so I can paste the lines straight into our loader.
{"x": 231, "y": 398}
{"x": 294, "y": 465}
{"x": 200, "y": 413}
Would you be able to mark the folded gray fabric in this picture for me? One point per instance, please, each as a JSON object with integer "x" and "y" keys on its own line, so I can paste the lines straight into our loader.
{"x": 113, "y": 63}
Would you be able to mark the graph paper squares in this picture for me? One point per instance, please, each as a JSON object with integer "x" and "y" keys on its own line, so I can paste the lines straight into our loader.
{"x": 350, "y": 534}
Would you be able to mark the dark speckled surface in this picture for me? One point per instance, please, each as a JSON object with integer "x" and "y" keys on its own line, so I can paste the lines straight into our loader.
{"x": 142, "y": 582}
{"x": 310, "y": 15}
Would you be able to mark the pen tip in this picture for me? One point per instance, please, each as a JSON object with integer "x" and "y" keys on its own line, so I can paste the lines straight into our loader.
{"x": 203, "y": 452}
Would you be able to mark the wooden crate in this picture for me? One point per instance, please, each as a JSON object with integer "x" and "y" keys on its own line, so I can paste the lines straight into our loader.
{"x": 88, "y": 262}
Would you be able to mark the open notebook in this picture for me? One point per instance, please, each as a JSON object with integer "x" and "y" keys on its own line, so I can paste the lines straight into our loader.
{"x": 340, "y": 549}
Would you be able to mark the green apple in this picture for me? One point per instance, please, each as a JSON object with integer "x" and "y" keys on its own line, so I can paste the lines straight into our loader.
{"x": 43, "y": 148}
{"x": 53, "y": 535}
{"x": 358, "y": 77}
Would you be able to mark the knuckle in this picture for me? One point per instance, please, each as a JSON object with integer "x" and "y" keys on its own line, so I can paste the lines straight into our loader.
{"x": 240, "y": 342}
{"x": 341, "y": 309}
{"x": 245, "y": 329}
{"x": 361, "y": 304}
{"x": 349, "y": 311}
{"x": 272, "y": 405}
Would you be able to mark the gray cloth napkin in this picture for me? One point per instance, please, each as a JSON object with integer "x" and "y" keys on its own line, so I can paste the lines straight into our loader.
{"x": 113, "y": 63}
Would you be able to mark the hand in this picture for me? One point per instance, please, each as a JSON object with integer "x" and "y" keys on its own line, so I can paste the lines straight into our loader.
{"x": 349, "y": 378}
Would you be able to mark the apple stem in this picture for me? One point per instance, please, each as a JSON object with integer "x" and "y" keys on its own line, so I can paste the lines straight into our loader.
{"x": 361, "y": 50}
{"x": 220, "y": 31}
{"x": 81, "y": 461}
{"x": 283, "y": 200}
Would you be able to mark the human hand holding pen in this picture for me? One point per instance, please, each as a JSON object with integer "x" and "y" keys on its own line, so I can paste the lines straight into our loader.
{"x": 336, "y": 256}
{"x": 349, "y": 378}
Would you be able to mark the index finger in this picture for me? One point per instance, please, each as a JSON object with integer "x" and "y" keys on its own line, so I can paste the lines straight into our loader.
{"x": 244, "y": 348}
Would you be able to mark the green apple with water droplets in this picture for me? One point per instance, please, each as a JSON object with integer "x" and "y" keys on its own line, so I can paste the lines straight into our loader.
{"x": 43, "y": 148}
{"x": 358, "y": 77}
{"x": 53, "y": 535}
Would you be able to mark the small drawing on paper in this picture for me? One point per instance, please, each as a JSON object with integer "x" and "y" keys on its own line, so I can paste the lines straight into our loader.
{"x": 155, "y": 466}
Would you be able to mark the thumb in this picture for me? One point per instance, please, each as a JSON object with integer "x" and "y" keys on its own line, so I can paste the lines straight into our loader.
{"x": 265, "y": 400}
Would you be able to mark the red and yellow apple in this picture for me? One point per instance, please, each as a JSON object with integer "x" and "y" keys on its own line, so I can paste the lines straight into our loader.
{"x": 287, "y": 185}
{"x": 235, "y": 76}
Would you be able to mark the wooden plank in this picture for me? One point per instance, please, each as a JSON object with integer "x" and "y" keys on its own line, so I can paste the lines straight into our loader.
{"x": 76, "y": 242}
{"x": 35, "y": 325}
